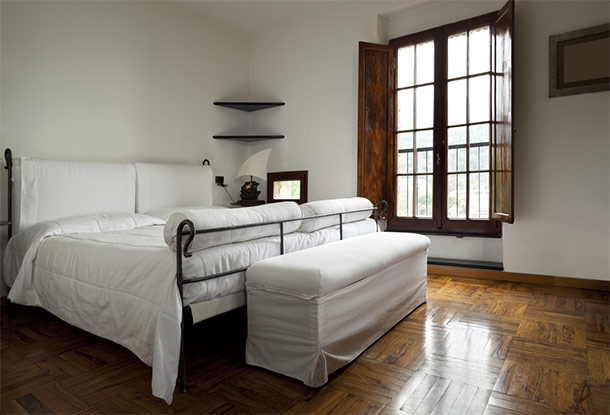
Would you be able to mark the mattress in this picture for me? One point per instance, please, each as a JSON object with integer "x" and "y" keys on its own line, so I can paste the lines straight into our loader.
{"x": 80, "y": 251}
{"x": 115, "y": 277}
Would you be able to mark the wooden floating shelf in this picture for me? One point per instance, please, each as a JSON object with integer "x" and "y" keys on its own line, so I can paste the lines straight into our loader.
{"x": 248, "y": 137}
{"x": 249, "y": 106}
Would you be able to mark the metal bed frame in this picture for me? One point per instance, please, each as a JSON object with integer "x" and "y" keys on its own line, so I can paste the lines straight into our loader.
{"x": 186, "y": 229}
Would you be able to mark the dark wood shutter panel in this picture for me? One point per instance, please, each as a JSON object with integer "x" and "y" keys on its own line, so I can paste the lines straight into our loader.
{"x": 502, "y": 175}
{"x": 375, "y": 121}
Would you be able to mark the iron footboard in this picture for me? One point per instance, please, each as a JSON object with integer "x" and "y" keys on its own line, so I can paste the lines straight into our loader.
{"x": 187, "y": 229}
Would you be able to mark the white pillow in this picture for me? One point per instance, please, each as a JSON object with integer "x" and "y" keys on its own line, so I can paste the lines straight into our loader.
{"x": 321, "y": 207}
{"x": 165, "y": 213}
{"x": 219, "y": 218}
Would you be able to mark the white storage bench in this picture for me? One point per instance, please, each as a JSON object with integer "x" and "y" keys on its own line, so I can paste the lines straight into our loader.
{"x": 313, "y": 311}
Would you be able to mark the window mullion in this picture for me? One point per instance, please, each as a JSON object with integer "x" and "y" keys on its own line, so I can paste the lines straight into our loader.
{"x": 467, "y": 124}
{"x": 440, "y": 103}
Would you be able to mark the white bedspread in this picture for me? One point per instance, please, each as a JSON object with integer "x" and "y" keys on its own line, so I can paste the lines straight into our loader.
{"x": 114, "y": 276}
{"x": 125, "y": 292}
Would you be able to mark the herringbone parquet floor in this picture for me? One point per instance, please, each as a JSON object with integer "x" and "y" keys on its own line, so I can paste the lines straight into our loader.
{"x": 476, "y": 347}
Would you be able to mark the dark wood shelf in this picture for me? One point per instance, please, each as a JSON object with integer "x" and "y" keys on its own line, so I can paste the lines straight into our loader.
{"x": 248, "y": 137}
{"x": 248, "y": 106}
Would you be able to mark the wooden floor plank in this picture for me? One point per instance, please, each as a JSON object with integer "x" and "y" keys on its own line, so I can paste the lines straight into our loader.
{"x": 476, "y": 346}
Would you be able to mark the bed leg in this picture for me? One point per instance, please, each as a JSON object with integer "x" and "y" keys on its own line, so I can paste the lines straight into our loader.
{"x": 182, "y": 365}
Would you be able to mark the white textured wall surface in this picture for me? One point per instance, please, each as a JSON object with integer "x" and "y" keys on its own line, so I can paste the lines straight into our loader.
{"x": 311, "y": 63}
{"x": 562, "y": 223}
{"x": 120, "y": 81}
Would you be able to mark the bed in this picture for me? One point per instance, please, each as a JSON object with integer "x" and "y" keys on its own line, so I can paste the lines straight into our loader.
{"x": 96, "y": 244}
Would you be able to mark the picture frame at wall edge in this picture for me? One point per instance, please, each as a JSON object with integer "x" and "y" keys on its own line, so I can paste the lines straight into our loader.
{"x": 579, "y": 61}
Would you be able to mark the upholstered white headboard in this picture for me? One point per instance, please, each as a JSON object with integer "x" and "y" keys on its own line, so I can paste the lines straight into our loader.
{"x": 52, "y": 189}
{"x": 172, "y": 185}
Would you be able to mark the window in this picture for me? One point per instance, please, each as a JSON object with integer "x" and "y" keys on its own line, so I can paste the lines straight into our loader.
{"x": 445, "y": 126}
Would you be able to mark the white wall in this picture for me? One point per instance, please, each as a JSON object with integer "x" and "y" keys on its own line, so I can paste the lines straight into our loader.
{"x": 311, "y": 63}
{"x": 120, "y": 81}
{"x": 561, "y": 148}
{"x": 562, "y": 155}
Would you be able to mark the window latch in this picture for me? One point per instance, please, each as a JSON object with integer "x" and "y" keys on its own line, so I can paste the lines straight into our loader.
{"x": 438, "y": 159}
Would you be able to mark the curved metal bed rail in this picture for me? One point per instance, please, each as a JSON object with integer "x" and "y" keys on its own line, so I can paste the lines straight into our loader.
{"x": 277, "y": 222}
{"x": 180, "y": 251}
{"x": 383, "y": 211}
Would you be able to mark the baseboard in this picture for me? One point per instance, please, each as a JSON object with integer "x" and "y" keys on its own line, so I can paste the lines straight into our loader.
{"x": 465, "y": 263}
{"x": 486, "y": 274}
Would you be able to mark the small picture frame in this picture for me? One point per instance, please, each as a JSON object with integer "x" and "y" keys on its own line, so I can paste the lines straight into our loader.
{"x": 287, "y": 186}
{"x": 578, "y": 61}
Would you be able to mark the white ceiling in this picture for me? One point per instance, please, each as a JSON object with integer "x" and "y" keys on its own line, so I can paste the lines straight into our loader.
{"x": 252, "y": 15}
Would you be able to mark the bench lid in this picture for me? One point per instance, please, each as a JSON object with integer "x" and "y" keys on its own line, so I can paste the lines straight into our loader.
{"x": 324, "y": 269}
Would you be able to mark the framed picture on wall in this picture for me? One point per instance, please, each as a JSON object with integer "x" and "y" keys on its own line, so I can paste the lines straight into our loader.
{"x": 287, "y": 186}
{"x": 578, "y": 61}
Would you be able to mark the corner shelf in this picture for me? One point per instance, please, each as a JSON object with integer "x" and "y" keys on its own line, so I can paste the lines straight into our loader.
{"x": 248, "y": 106}
{"x": 248, "y": 137}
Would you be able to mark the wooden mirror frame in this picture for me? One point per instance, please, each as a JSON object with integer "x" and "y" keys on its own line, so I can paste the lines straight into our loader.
{"x": 300, "y": 175}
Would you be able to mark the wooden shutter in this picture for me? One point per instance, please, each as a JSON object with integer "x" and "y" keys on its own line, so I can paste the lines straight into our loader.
{"x": 375, "y": 120}
{"x": 502, "y": 180}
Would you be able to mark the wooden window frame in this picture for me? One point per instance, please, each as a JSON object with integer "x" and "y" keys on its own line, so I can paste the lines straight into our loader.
{"x": 440, "y": 224}
{"x": 300, "y": 175}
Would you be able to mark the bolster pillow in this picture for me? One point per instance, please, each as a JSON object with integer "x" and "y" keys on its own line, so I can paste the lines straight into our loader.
{"x": 220, "y": 218}
{"x": 322, "y": 207}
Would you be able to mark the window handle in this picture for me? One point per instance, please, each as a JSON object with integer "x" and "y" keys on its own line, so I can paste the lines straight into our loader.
{"x": 438, "y": 159}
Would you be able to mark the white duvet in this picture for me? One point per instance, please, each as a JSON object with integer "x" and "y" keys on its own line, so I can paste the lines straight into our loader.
{"x": 125, "y": 292}
{"x": 114, "y": 276}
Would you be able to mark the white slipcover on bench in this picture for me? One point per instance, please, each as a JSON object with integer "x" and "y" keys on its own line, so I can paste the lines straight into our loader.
{"x": 313, "y": 311}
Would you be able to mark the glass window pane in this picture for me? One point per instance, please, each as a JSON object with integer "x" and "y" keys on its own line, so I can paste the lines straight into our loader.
{"x": 424, "y": 161}
{"x": 479, "y": 157}
{"x": 456, "y": 196}
{"x": 456, "y": 51}
{"x": 479, "y": 133}
{"x": 461, "y": 159}
{"x": 424, "y": 107}
{"x": 456, "y": 151}
{"x": 484, "y": 157}
{"x": 424, "y": 139}
{"x": 479, "y": 98}
{"x": 456, "y": 136}
{"x": 424, "y": 53}
{"x": 424, "y": 196}
{"x": 456, "y": 102}
{"x": 479, "y": 196}
{"x": 452, "y": 160}
{"x": 474, "y": 159}
{"x": 451, "y": 196}
{"x": 425, "y": 151}
{"x": 405, "y": 153}
{"x": 405, "y": 109}
{"x": 406, "y": 66}
{"x": 405, "y": 141}
{"x": 404, "y": 207}
{"x": 479, "y": 51}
